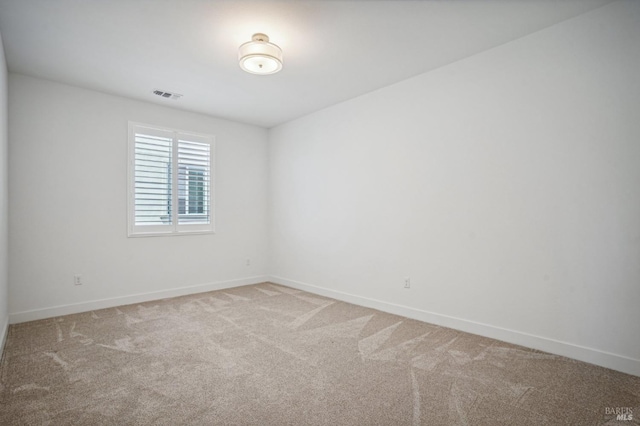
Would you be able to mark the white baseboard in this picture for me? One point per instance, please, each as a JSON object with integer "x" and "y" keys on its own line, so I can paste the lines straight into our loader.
{"x": 75, "y": 308}
{"x": 569, "y": 350}
{"x": 3, "y": 334}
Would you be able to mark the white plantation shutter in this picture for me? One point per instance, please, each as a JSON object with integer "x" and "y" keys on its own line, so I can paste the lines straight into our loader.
{"x": 194, "y": 180}
{"x": 152, "y": 178}
{"x": 170, "y": 181}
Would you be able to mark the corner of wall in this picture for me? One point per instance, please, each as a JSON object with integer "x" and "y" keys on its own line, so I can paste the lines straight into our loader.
{"x": 4, "y": 199}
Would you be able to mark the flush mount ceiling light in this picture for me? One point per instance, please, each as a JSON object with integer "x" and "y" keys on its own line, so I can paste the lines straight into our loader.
{"x": 258, "y": 56}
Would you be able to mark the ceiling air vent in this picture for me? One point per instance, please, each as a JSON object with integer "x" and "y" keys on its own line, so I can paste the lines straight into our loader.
{"x": 167, "y": 95}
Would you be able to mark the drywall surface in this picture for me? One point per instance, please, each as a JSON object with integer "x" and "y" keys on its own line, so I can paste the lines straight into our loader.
{"x": 4, "y": 199}
{"x": 68, "y": 183}
{"x": 505, "y": 186}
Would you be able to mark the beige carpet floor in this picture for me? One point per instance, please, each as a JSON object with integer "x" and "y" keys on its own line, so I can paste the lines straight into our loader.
{"x": 271, "y": 355}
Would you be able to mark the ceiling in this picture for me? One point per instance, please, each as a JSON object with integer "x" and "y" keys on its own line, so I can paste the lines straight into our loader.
{"x": 333, "y": 50}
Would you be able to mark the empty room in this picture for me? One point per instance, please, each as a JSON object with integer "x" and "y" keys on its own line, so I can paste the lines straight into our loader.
{"x": 218, "y": 212}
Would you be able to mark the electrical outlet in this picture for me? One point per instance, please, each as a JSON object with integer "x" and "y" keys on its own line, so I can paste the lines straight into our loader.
{"x": 77, "y": 279}
{"x": 407, "y": 282}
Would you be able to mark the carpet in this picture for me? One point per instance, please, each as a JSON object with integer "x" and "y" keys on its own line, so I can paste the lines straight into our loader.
{"x": 267, "y": 354}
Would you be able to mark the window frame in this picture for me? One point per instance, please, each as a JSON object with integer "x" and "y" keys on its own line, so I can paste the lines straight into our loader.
{"x": 175, "y": 227}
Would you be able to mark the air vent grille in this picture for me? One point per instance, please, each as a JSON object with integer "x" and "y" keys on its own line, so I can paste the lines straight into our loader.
{"x": 167, "y": 95}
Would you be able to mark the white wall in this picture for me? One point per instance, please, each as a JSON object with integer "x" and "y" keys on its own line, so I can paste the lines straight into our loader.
{"x": 506, "y": 186}
{"x": 68, "y": 212}
{"x": 4, "y": 201}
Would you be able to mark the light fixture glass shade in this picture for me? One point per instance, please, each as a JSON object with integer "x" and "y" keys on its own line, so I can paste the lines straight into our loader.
{"x": 258, "y": 56}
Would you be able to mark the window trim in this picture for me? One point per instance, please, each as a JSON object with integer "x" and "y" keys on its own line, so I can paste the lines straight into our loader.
{"x": 175, "y": 228}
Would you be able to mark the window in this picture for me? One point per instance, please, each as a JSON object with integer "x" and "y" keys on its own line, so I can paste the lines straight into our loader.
{"x": 170, "y": 181}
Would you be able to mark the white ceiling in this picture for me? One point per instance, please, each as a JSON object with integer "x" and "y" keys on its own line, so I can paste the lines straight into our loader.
{"x": 333, "y": 50}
